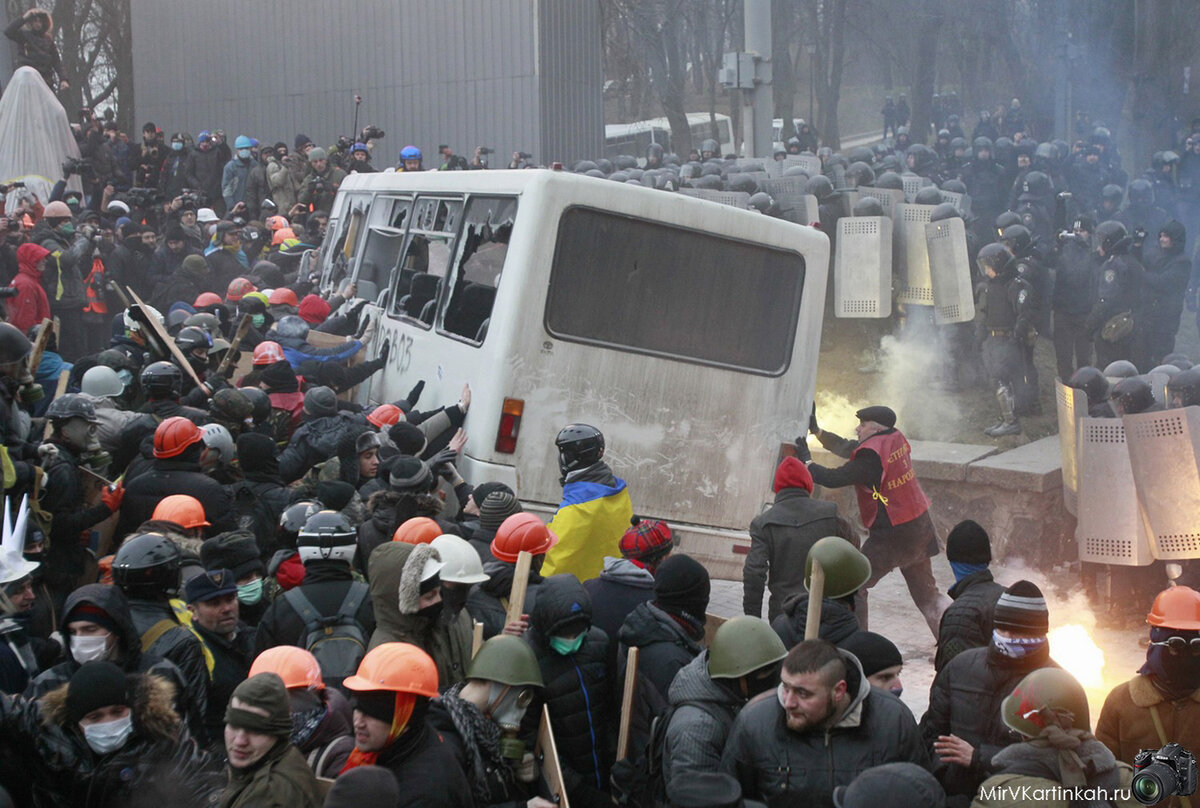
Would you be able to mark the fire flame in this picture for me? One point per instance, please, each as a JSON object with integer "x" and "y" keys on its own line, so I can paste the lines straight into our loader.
{"x": 1075, "y": 650}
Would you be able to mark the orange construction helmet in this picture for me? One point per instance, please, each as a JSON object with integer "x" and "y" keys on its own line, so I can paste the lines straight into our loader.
{"x": 1176, "y": 607}
{"x": 268, "y": 353}
{"x": 282, "y": 235}
{"x": 398, "y": 667}
{"x": 174, "y": 435}
{"x": 522, "y": 531}
{"x": 385, "y": 415}
{"x": 283, "y": 297}
{"x": 418, "y": 530}
{"x": 276, "y": 222}
{"x": 207, "y": 299}
{"x": 295, "y": 666}
{"x": 238, "y": 288}
{"x": 185, "y": 511}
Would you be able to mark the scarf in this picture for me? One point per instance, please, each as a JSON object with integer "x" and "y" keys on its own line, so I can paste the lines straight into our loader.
{"x": 304, "y": 724}
{"x": 481, "y": 739}
{"x": 1066, "y": 741}
{"x": 962, "y": 569}
{"x": 405, "y": 702}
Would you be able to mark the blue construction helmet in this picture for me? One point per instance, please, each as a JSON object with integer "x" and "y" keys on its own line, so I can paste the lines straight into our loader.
{"x": 243, "y": 142}
{"x": 410, "y": 153}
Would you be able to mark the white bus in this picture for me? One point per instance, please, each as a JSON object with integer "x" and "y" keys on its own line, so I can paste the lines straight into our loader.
{"x": 633, "y": 138}
{"x": 685, "y": 330}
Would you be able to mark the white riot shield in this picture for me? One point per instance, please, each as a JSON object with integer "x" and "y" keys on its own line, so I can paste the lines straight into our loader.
{"x": 1158, "y": 386}
{"x": 888, "y": 198}
{"x": 912, "y": 184}
{"x": 778, "y": 186}
{"x": 735, "y": 199}
{"x": 1163, "y": 450}
{"x": 1072, "y": 406}
{"x": 862, "y": 267}
{"x": 950, "y": 272}
{"x": 809, "y": 162}
{"x": 961, "y": 202}
{"x": 1112, "y": 528}
{"x": 796, "y": 206}
{"x": 911, "y": 254}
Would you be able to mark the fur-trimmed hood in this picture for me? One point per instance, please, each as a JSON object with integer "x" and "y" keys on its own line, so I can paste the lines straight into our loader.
{"x": 395, "y": 573}
{"x": 154, "y": 715}
{"x": 409, "y": 592}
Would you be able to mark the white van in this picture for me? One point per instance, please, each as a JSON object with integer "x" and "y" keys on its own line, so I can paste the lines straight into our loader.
{"x": 634, "y": 138}
{"x": 685, "y": 330}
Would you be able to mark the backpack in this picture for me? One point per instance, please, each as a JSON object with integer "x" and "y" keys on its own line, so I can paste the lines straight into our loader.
{"x": 338, "y": 641}
{"x": 639, "y": 783}
{"x": 252, "y": 513}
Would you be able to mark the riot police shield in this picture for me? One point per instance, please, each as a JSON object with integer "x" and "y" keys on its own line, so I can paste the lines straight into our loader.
{"x": 1112, "y": 528}
{"x": 810, "y": 163}
{"x": 961, "y": 202}
{"x": 1163, "y": 451}
{"x": 888, "y": 198}
{"x": 912, "y": 184}
{"x": 1072, "y": 405}
{"x": 911, "y": 254}
{"x": 1158, "y": 386}
{"x": 862, "y": 267}
{"x": 779, "y": 186}
{"x": 735, "y": 199}
{"x": 950, "y": 272}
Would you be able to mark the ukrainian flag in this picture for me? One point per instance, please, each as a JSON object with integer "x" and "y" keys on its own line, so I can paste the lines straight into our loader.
{"x": 589, "y": 524}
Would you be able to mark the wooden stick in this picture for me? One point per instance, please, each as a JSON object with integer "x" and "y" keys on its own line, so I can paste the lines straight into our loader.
{"x": 547, "y": 751}
{"x": 516, "y": 598}
{"x": 45, "y": 331}
{"x": 816, "y": 592}
{"x": 58, "y": 391}
{"x": 242, "y": 330}
{"x": 631, "y": 668}
{"x": 476, "y": 638}
{"x": 163, "y": 337}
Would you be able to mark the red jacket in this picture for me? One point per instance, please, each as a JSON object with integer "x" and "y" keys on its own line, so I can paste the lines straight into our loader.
{"x": 31, "y": 305}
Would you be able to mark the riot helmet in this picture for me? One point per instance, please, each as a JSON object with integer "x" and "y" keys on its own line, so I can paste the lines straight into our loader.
{"x": 327, "y": 536}
{"x": 14, "y": 346}
{"x": 1179, "y": 360}
{"x": 762, "y": 202}
{"x": 162, "y": 380}
{"x": 954, "y": 186}
{"x": 709, "y": 182}
{"x": 868, "y": 206}
{"x": 1132, "y": 395}
{"x": 945, "y": 210}
{"x": 996, "y": 257}
{"x": 929, "y": 195}
{"x": 622, "y": 162}
{"x": 709, "y": 148}
{"x": 147, "y": 567}
{"x": 1141, "y": 192}
{"x": 1018, "y": 238}
{"x": 1183, "y": 390}
{"x": 1112, "y": 238}
{"x": 982, "y": 144}
{"x": 820, "y": 187}
{"x": 860, "y": 154}
{"x": 654, "y": 155}
{"x": 890, "y": 180}
{"x": 1112, "y": 194}
{"x": 584, "y": 166}
{"x": 743, "y": 183}
{"x": 1120, "y": 369}
{"x": 1092, "y": 382}
{"x": 860, "y": 174}
{"x": 260, "y": 403}
{"x": 579, "y": 446}
{"x": 1036, "y": 186}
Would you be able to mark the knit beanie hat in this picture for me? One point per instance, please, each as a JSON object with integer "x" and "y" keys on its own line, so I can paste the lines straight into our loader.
{"x": 256, "y": 452}
{"x": 378, "y": 704}
{"x": 320, "y": 402}
{"x": 92, "y": 613}
{"x": 874, "y": 651}
{"x": 236, "y": 551}
{"x": 410, "y": 440}
{"x": 681, "y": 585}
{"x": 481, "y": 491}
{"x": 498, "y": 506}
{"x": 647, "y": 540}
{"x": 313, "y": 310}
{"x": 194, "y": 266}
{"x": 280, "y": 377}
{"x": 1022, "y": 608}
{"x": 264, "y": 691}
{"x": 968, "y": 543}
{"x": 792, "y": 474}
{"x": 410, "y": 475}
{"x": 335, "y": 494}
{"x": 301, "y": 141}
{"x": 96, "y": 684}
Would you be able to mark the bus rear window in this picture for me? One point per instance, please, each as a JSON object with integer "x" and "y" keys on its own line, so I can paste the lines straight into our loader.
{"x": 652, "y": 288}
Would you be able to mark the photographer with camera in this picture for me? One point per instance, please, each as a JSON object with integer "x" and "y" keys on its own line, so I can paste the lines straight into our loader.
{"x": 320, "y": 187}
{"x": 33, "y": 32}
{"x": 360, "y": 160}
{"x": 452, "y": 161}
{"x": 521, "y": 159}
{"x": 480, "y": 160}
{"x": 1161, "y": 704}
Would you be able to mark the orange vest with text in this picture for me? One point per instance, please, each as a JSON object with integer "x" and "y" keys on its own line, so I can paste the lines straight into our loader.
{"x": 897, "y": 490}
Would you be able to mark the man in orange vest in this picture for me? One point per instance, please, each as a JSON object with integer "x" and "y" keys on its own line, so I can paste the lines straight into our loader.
{"x": 893, "y": 507}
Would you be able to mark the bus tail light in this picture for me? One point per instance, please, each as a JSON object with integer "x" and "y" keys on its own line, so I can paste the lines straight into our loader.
{"x": 510, "y": 425}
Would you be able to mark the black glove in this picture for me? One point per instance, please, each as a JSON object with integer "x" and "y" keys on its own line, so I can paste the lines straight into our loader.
{"x": 812, "y": 421}
{"x": 802, "y": 451}
{"x": 443, "y": 464}
{"x": 415, "y": 393}
{"x": 385, "y": 349}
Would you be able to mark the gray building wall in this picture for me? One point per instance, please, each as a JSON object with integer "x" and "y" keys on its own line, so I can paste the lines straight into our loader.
{"x": 514, "y": 75}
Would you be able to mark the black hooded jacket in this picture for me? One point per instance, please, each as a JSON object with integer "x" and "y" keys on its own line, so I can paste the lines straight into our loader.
{"x": 487, "y": 602}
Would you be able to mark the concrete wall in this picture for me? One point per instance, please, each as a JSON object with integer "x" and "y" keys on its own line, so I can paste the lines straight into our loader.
{"x": 515, "y": 75}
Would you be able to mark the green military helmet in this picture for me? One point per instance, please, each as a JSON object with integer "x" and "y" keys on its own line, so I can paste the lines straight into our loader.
{"x": 507, "y": 660}
{"x": 741, "y": 646}
{"x": 846, "y": 568}
{"x": 1044, "y": 697}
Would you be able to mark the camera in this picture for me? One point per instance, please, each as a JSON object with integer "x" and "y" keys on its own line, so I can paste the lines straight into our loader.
{"x": 486, "y": 150}
{"x": 344, "y": 143}
{"x": 371, "y": 132}
{"x": 1163, "y": 773}
{"x": 77, "y": 165}
{"x": 1139, "y": 236}
{"x": 524, "y": 155}
{"x": 8, "y": 291}
{"x": 317, "y": 185}
{"x": 141, "y": 197}
{"x": 192, "y": 197}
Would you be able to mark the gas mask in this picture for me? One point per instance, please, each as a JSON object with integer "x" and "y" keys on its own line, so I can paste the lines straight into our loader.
{"x": 84, "y": 437}
{"x": 506, "y": 706}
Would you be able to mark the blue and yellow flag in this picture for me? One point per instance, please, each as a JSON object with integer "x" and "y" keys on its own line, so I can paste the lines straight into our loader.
{"x": 589, "y": 524}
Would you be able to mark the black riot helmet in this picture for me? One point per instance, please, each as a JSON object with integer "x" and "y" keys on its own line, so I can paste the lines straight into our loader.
{"x": 820, "y": 187}
{"x": 1045, "y": 151}
{"x": 14, "y": 346}
{"x": 1179, "y": 360}
{"x": 762, "y": 202}
{"x": 1120, "y": 369}
{"x": 1004, "y": 149}
{"x": 890, "y": 180}
{"x": 623, "y": 162}
{"x": 1006, "y": 219}
{"x": 1112, "y": 194}
{"x": 1132, "y": 395}
{"x": 1183, "y": 390}
{"x": 1141, "y": 192}
{"x": 584, "y": 166}
{"x": 147, "y": 567}
{"x": 859, "y": 173}
{"x": 579, "y": 446}
{"x": 996, "y": 257}
{"x": 744, "y": 183}
{"x": 929, "y": 195}
{"x": 1018, "y": 238}
{"x": 604, "y": 165}
{"x": 982, "y": 144}
{"x": 709, "y": 147}
{"x": 945, "y": 210}
{"x": 260, "y": 403}
{"x": 860, "y": 154}
{"x": 709, "y": 182}
{"x": 1112, "y": 237}
{"x": 1092, "y": 382}
{"x": 654, "y": 155}
{"x": 954, "y": 186}
{"x": 162, "y": 380}
{"x": 293, "y": 519}
{"x": 193, "y": 337}
{"x": 868, "y": 206}
{"x": 1036, "y": 186}
{"x": 958, "y": 144}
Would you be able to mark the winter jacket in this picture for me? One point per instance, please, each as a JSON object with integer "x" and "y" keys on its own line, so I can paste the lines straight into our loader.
{"x": 231, "y": 658}
{"x": 173, "y": 177}
{"x": 66, "y": 556}
{"x": 174, "y": 476}
{"x": 1126, "y": 723}
{"x": 965, "y": 701}
{"x": 504, "y": 790}
{"x": 488, "y": 602}
{"x": 768, "y": 759}
{"x": 260, "y": 494}
{"x": 780, "y": 539}
{"x": 837, "y": 621}
{"x": 577, "y": 688}
{"x": 36, "y": 50}
{"x": 329, "y": 745}
{"x": 164, "y": 263}
{"x": 31, "y": 305}
{"x": 159, "y": 765}
{"x": 697, "y": 734}
{"x": 395, "y": 570}
{"x": 1036, "y": 760}
{"x": 234, "y": 177}
{"x": 325, "y": 585}
{"x": 664, "y": 648}
{"x": 299, "y": 350}
{"x": 281, "y": 779}
{"x": 225, "y": 264}
{"x": 620, "y": 588}
{"x": 589, "y": 522}
{"x": 257, "y": 189}
{"x": 61, "y": 276}
{"x": 967, "y": 622}
{"x": 1163, "y": 287}
{"x": 317, "y": 440}
{"x": 178, "y": 645}
{"x": 182, "y": 286}
{"x": 321, "y": 199}
{"x": 426, "y": 770}
{"x": 203, "y": 172}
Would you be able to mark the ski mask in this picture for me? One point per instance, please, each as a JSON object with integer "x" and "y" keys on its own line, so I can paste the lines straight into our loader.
{"x": 1176, "y": 672}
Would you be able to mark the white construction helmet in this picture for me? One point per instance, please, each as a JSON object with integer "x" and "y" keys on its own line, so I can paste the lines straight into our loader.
{"x": 101, "y": 381}
{"x": 461, "y": 562}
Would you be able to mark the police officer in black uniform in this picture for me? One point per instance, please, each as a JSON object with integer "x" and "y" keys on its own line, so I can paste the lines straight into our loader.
{"x": 1073, "y": 297}
{"x": 1118, "y": 294}
{"x": 1006, "y": 300}
{"x": 1031, "y": 267}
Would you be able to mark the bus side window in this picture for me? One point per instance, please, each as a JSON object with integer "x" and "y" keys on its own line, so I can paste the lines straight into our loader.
{"x": 484, "y": 245}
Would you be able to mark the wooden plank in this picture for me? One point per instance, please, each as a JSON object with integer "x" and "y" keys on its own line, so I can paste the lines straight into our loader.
{"x": 631, "y": 669}
{"x": 39, "y": 346}
{"x": 59, "y": 390}
{"x": 227, "y": 360}
{"x": 816, "y": 591}
{"x": 476, "y": 638}
{"x": 546, "y": 752}
{"x": 165, "y": 339}
{"x": 712, "y": 622}
{"x": 516, "y": 597}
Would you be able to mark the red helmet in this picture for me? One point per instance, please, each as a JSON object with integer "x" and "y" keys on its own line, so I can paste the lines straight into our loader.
{"x": 283, "y": 297}
{"x": 238, "y": 288}
{"x": 174, "y": 435}
{"x": 385, "y": 415}
{"x": 207, "y": 299}
{"x": 522, "y": 531}
{"x": 268, "y": 353}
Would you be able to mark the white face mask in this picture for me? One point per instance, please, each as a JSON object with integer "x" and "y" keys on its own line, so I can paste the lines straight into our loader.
{"x": 109, "y": 736}
{"x": 89, "y": 649}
